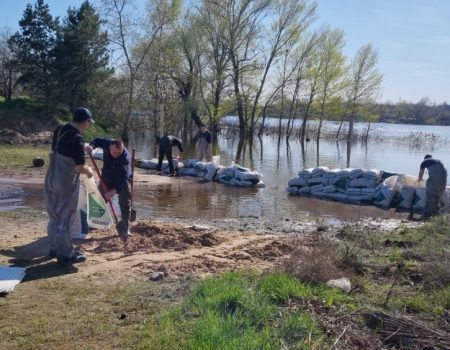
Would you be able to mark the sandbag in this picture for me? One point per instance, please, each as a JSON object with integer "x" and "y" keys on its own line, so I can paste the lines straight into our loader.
{"x": 306, "y": 172}
{"x": 249, "y": 176}
{"x": 329, "y": 189}
{"x": 420, "y": 199}
{"x": 362, "y": 182}
{"x": 190, "y": 163}
{"x": 386, "y": 192}
{"x": 210, "y": 172}
{"x": 304, "y": 190}
{"x": 297, "y": 181}
{"x": 405, "y": 197}
{"x": 292, "y": 189}
{"x": 151, "y": 164}
{"x": 319, "y": 171}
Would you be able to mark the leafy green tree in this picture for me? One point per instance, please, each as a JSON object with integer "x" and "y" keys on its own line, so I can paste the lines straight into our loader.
{"x": 34, "y": 46}
{"x": 81, "y": 55}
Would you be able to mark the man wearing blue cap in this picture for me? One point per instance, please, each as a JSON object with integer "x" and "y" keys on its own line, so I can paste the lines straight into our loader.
{"x": 435, "y": 187}
{"x": 62, "y": 184}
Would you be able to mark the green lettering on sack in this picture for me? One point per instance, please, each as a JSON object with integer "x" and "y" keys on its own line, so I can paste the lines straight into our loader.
{"x": 95, "y": 209}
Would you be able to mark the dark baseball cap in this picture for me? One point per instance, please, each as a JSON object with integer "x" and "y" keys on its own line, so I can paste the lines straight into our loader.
{"x": 81, "y": 114}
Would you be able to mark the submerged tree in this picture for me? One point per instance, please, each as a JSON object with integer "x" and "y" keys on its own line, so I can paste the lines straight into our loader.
{"x": 364, "y": 82}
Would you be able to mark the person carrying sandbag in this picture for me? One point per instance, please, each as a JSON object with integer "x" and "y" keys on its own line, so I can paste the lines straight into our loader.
{"x": 435, "y": 186}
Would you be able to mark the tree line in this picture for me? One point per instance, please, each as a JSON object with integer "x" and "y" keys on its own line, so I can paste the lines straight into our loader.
{"x": 175, "y": 64}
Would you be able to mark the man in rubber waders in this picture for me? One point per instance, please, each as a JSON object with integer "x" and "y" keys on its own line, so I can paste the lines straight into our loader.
{"x": 204, "y": 144}
{"x": 435, "y": 186}
{"x": 62, "y": 185}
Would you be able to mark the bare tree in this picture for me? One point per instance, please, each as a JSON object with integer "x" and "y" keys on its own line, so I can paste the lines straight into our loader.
{"x": 364, "y": 82}
{"x": 332, "y": 71}
{"x": 126, "y": 33}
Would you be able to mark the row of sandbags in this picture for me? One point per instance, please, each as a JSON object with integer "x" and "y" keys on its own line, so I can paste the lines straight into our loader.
{"x": 233, "y": 175}
{"x": 363, "y": 186}
{"x": 346, "y": 185}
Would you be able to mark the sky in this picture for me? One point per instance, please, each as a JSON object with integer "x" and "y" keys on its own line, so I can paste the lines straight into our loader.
{"x": 412, "y": 38}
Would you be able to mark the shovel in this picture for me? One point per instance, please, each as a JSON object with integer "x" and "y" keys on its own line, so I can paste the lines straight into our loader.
{"x": 121, "y": 227}
{"x": 133, "y": 211}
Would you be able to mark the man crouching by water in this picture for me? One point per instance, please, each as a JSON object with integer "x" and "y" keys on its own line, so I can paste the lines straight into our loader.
{"x": 435, "y": 186}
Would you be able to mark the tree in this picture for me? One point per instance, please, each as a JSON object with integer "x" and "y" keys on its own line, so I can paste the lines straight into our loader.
{"x": 81, "y": 55}
{"x": 364, "y": 82}
{"x": 9, "y": 70}
{"x": 134, "y": 41}
{"x": 34, "y": 46}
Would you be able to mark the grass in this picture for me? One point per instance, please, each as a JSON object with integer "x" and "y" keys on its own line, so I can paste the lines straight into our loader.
{"x": 243, "y": 311}
{"x": 18, "y": 160}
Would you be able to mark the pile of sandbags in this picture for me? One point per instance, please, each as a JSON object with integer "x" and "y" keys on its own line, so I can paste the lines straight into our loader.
{"x": 380, "y": 188}
{"x": 236, "y": 175}
{"x": 233, "y": 175}
{"x": 347, "y": 185}
{"x": 152, "y": 164}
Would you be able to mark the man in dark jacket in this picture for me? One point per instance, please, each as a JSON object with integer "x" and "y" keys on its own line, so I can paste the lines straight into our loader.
{"x": 435, "y": 187}
{"x": 116, "y": 173}
{"x": 62, "y": 185}
{"x": 165, "y": 149}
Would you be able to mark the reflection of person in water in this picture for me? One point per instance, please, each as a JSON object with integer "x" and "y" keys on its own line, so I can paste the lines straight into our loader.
{"x": 435, "y": 187}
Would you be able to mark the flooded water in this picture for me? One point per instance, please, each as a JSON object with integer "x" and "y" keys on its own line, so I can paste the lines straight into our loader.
{"x": 389, "y": 148}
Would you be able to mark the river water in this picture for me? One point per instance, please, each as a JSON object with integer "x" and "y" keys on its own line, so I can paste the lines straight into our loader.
{"x": 390, "y": 147}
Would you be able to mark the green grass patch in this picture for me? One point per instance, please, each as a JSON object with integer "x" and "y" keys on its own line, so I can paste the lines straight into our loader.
{"x": 19, "y": 159}
{"x": 243, "y": 311}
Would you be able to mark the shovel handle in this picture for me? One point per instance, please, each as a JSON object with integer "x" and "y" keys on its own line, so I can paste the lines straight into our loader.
{"x": 133, "y": 153}
{"x": 104, "y": 187}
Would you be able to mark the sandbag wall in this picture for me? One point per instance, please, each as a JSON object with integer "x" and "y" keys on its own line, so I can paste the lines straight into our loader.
{"x": 363, "y": 186}
{"x": 233, "y": 175}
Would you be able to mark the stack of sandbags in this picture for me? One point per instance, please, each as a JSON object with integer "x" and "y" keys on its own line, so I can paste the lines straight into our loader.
{"x": 348, "y": 185}
{"x": 152, "y": 164}
{"x": 236, "y": 175}
{"x": 385, "y": 192}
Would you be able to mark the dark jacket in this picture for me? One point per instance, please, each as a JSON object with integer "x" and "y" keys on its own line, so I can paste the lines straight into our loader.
{"x": 167, "y": 142}
{"x": 71, "y": 143}
{"x": 116, "y": 171}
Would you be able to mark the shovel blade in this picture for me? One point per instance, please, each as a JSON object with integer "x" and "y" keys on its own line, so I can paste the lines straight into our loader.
{"x": 122, "y": 230}
{"x": 133, "y": 215}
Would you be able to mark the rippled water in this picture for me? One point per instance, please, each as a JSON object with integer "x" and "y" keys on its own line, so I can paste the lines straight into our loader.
{"x": 388, "y": 149}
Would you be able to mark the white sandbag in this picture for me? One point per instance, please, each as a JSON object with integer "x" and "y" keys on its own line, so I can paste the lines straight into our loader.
{"x": 420, "y": 199}
{"x": 225, "y": 179}
{"x": 344, "y": 172}
{"x": 78, "y": 224}
{"x": 260, "y": 184}
{"x": 353, "y": 191}
{"x": 249, "y": 176}
{"x": 187, "y": 171}
{"x": 385, "y": 194}
{"x": 373, "y": 173}
{"x": 98, "y": 214}
{"x": 318, "y": 181}
{"x": 297, "y": 181}
{"x": 190, "y": 163}
{"x": 219, "y": 172}
{"x": 368, "y": 191}
{"x": 151, "y": 164}
{"x": 210, "y": 172}
{"x": 355, "y": 173}
{"x": 240, "y": 168}
{"x": 331, "y": 173}
{"x": 292, "y": 189}
{"x": 362, "y": 182}
{"x": 306, "y": 172}
{"x": 200, "y": 173}
{"x": 165, "y": 165}
{"x": 405, "y": 197}
{"x": 329, "y": 189}
{"x": 228, "y": 171}
{"x": 316, "y": 188}
{"x": 201, "y": 165}
{"x": 304, "y": 190}
{"x": 408, "y": 181}
{"x": 319, "y": 171}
